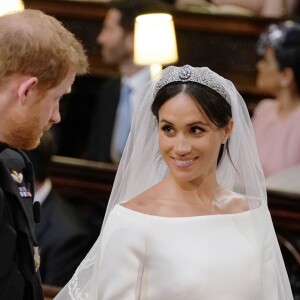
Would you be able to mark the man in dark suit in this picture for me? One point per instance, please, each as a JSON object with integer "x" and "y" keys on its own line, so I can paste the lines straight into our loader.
{"x": 63, "y": 239}
{"x": 39, "y": 59}
{"x": 116, "y": 42}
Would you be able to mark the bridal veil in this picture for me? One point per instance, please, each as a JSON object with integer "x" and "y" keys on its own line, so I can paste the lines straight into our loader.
{"x": 141, "y": 167}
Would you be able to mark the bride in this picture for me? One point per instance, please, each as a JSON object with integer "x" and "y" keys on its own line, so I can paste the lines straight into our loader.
{"x": 188, "y": 216}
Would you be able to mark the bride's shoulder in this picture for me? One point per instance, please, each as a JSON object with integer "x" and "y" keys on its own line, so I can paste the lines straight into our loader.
{"x": 232, "y": 202}
{"x": 144, "y": 202}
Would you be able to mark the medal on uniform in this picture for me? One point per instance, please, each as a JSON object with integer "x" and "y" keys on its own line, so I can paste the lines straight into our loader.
{"x": 24, "y": 193}
{"x": 18, "y": 177}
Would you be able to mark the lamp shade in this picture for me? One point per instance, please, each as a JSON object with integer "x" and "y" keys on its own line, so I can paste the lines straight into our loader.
{"x": 155, "y": 39}
{"x": 10, "y": 6}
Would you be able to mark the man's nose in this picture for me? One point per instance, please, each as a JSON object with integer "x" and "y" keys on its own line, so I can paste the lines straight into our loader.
{"x": 55, "y": 116}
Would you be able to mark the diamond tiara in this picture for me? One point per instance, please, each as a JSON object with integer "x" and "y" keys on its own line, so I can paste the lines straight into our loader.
{"x": 190, "y": 74}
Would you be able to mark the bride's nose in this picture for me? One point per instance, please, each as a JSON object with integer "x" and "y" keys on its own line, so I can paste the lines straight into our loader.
{"x": 182, "y": 145}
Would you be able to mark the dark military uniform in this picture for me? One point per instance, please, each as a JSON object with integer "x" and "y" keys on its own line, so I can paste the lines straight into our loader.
{"x": 19, "y": 259}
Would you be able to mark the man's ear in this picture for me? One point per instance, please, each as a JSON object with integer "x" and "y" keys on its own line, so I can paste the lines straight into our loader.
{"x": 130, "y": 41}
{"x": 25, "y": 87}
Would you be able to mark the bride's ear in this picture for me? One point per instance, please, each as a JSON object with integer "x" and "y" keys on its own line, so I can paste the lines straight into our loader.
{"x": 228, "y": 130}
{"x": 25, "y": 87}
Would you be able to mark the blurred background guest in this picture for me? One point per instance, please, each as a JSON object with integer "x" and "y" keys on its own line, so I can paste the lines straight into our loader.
{"x": 276, "y": 121}
{"x": 118, "y": 97}
{"x": 63, "y": 240}
{"x": 265, "y": 8}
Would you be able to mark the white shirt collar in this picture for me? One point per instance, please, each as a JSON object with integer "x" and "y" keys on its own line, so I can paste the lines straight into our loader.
{"x": 137, "y": 82}
{"x": 41, "y": 194}
{"x": 140, "y": 78}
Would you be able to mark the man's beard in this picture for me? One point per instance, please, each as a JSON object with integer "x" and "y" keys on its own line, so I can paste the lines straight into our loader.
{"x": 24, "y": 131}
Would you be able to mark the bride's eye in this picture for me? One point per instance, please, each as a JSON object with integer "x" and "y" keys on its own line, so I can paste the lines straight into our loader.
{"x": 167, "y": 129}
{"x": 196, "y": 129}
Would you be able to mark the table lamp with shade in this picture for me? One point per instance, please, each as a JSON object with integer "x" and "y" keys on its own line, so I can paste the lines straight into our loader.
{"x": 10, "y": 6}
{"x": 155, "y": 41}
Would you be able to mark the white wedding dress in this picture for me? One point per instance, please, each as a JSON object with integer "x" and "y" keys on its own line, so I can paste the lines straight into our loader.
{"x": 213, "y": 257}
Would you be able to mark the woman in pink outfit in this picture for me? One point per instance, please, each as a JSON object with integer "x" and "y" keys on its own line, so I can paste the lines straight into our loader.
{"x": 276, "y": 121}
{"x": 267, "y": 8}
{"x": 264, "y": 8}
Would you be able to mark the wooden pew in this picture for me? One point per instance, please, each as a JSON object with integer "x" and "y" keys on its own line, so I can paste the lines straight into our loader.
{"x": 285, "y": 212}
{"x": 285, "y": 209}
{"x": 82, "y": 178}
{"x": 86, "y": 185}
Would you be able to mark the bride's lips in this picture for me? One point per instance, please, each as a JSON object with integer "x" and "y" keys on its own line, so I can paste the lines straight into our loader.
{"x": 183, "y": 162}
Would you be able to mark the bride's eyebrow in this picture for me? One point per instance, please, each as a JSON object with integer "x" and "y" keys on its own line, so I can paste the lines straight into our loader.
{"x": 165, "y": 121}
{"x": 190, "y": 124}
{"x": 198, "y": 123}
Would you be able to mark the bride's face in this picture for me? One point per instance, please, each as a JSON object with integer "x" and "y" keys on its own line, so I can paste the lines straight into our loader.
{"x": 189, "y": 142}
